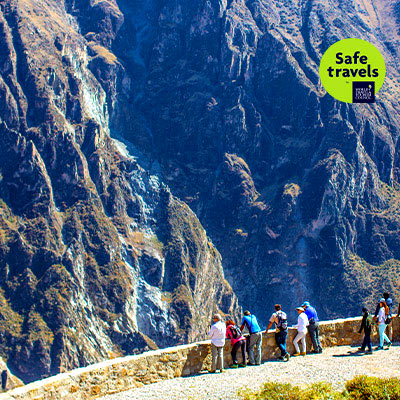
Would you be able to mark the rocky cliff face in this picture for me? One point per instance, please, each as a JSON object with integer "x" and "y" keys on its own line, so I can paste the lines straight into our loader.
{"x": 126, "y": 127}
{"x": 97, "y": 257}
{"x": 298, "y": 192}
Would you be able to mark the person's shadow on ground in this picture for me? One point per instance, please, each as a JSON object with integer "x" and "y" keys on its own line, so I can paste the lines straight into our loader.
{"x": 356, "y": 353}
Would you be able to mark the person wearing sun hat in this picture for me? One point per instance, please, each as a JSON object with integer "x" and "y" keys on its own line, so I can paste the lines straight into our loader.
{"x": 313, "y": 327}
{"x": 302, "y": 323}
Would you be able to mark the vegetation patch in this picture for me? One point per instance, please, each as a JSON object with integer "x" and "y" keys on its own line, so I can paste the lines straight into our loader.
{"x": 292, "y": 190}
{"x": 37, "y": 329}
{"x": 359, "y": 388}
{"x": 369, "y": 280}
{"x": 104, "y": 53}
{"x": 157, "y": 244}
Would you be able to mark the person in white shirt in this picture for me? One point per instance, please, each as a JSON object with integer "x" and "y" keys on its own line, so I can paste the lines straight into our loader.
{"x": 217, "y": 335}
{"x": 383, "y": 314}
{"x": 302, "y": 323}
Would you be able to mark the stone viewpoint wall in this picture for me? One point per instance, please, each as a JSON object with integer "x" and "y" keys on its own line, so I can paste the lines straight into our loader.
{"x": 129, "y": 372}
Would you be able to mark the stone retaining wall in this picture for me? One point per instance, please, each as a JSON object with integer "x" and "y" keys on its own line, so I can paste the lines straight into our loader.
{"x": 129, "y": 372}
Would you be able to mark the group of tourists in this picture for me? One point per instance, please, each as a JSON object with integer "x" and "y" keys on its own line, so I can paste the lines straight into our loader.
{"x": 307, "y": 322}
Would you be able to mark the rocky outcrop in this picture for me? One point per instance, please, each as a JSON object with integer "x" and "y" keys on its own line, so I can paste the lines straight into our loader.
{"x": 97, "y": 257}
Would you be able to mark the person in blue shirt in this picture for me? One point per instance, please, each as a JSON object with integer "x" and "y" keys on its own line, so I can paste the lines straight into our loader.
{"x": 313, "y": 327}
{"x": 250, "y": 322}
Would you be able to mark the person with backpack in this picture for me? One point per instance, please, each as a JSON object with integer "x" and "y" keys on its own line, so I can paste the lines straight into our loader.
{"x": 302, "y": 323}
{"x": 383, "y": 317}
{"x": 250, "y": 322}
{"x": 313, "y": 327}
{"x": 279, "y": 318}
{"x": 366, "y": 325}
{"x": 389, "y": 303}
{"x": 237, "y": 341}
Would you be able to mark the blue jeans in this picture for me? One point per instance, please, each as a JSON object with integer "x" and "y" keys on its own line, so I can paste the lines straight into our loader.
{"x": 382, "y": 335}
{"x": 313, "y": 330}
{"x": 280, "y": 338}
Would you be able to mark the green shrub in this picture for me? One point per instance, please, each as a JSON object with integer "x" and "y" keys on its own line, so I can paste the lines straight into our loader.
{"x": 286, "y": 391}
{"x": 359, "y": 388}
{"x": 272, "y": 391}
{"x": 371, "y": 388}
{"x": 321, "y": 391}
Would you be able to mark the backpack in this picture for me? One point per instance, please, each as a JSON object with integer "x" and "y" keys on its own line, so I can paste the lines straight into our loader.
{"x": 282, "y": 322}
{"x": 236, "y": 332}
{"x": 369, "y": 321}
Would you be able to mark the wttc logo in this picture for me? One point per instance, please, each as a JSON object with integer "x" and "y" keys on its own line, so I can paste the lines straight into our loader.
{"x": 363, "y": 92}
{"x": 352, "y": 71}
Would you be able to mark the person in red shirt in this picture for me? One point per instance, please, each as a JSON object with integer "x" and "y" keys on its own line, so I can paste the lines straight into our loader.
{"x": 237, "y": 341}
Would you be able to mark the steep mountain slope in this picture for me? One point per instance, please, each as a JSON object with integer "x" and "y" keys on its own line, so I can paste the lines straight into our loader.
{"x": 298, "y": 191}
{"x": 97, "y": 257}
{"x": 127, "y": 126}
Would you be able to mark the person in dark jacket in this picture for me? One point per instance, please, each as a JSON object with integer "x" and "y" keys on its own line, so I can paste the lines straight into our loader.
{"x": 366, "y": 325}
{"x": 4, "y": 377}
{"x": 279, "y": 318}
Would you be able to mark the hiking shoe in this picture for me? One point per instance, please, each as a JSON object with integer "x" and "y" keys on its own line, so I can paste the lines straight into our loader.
{"x": 379, "y": 348}
{"x": 315, "y": 352}
{"x": 286, "y": 357}
{"x": 212, "y": 372}
{"x": 389, "y": 344}
{"x": 234, "y": 366}
{"x": 368, "y": 351}
{"x": 295, "y": 354}
{"x": 303, "y": 354}
{"x": 242, "y": 365}
{"x": 222, "y": 370}
{"x": 281, "y": 358}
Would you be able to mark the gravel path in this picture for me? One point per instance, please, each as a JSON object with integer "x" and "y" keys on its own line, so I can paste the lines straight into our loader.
{"x": 335, "y": 365}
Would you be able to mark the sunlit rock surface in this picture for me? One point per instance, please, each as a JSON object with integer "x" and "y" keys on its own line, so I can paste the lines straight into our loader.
{"x": 140, "y": 141}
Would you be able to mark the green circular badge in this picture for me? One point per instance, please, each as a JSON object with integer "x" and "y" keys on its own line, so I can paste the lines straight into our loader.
{"x": 352, "y": 70}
